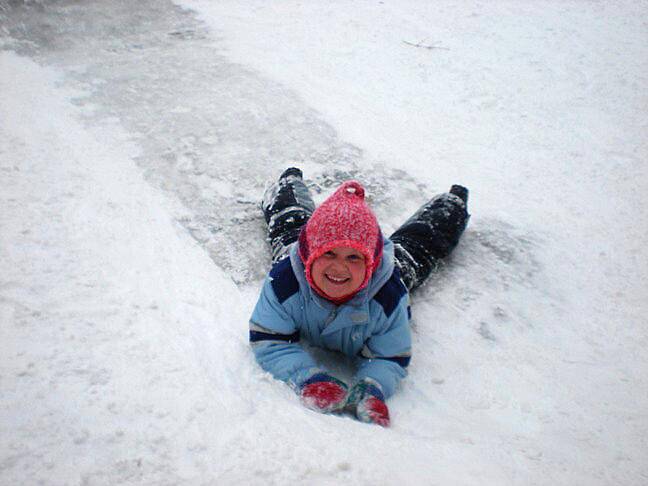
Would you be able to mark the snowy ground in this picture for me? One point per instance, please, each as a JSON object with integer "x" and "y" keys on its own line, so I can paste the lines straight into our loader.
{"x": 135, "y": 142}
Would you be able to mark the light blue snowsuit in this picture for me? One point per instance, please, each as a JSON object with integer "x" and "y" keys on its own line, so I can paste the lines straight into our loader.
{"x": 373, "y": 326}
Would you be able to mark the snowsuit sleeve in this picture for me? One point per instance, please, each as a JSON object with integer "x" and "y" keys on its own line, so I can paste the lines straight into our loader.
{"x": 387, "y": 353}
{"x": 274, "y": 337}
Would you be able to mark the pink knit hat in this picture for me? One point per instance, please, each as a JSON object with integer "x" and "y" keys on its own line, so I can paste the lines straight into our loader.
{"x": 342, "y": 220}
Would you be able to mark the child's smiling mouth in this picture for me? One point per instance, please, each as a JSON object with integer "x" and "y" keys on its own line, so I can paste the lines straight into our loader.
{"x": 337, "y": 280}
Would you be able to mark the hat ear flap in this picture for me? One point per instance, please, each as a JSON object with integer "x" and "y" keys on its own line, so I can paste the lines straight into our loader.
{"x": 378, "y": 250}
{"x": 304, "y": 250}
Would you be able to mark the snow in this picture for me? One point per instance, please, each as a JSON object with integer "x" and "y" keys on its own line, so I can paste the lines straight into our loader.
{"x": 135, "y": 143}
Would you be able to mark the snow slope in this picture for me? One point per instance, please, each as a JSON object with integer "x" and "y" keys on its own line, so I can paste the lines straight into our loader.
{"x": 134, "y": 143}
{"x": 104, "y": 298}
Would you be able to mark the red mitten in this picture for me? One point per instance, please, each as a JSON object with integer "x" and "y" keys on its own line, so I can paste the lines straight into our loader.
{"x": 367, "y": 401}
{"x": 323, "y": 393}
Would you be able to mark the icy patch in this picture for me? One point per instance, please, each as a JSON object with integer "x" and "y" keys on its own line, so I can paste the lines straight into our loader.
{"x": 196, "y": 136}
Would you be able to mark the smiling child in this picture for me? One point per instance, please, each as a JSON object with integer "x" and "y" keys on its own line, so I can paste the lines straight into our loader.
{"x": 339, "y": 284}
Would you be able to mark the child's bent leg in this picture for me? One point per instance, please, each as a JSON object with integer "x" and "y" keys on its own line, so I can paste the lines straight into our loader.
{"x": 430, "y": 235}
{"x": 287, "y": 205}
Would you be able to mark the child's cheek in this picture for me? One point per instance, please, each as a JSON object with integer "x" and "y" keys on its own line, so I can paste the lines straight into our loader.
{"x": 360, "y": 271}
{"x": 317, "y": 271}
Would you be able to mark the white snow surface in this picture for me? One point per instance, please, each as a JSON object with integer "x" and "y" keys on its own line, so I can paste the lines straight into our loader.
{"x": 135, "y": 142}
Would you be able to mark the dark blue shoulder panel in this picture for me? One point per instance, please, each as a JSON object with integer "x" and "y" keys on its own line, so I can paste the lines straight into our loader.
{"x": 391, "y": 293}
{"x": 284, "y": 282}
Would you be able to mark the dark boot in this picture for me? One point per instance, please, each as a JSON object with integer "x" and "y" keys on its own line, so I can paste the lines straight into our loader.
{"x": 430, "y": 235}
{"x": 287, "y": 205}
{"x": 461, "y": 192}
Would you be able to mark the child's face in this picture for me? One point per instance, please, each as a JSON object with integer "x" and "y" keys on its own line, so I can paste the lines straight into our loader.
{"x": 339, "y": 272}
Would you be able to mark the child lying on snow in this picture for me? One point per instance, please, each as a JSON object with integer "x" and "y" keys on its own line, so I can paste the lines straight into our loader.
{"x": 337, "y": 283}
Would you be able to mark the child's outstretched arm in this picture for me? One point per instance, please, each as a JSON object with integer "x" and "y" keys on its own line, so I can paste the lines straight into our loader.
{"x": 386, "y": 355}
{"x": 382, "y": 363}
{"x": 274, "y": 337}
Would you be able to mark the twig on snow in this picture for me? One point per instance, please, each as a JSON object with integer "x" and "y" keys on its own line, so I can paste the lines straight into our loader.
{"x": 424, "y": 46}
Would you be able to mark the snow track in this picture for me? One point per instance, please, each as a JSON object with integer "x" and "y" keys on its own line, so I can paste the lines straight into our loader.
{"x": 135, "y": 142}
{"x": 209, "y": 131}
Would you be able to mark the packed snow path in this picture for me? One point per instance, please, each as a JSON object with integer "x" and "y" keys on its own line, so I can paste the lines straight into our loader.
{"x": 135, "y": 141}
{"x": 210, "y": 131}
